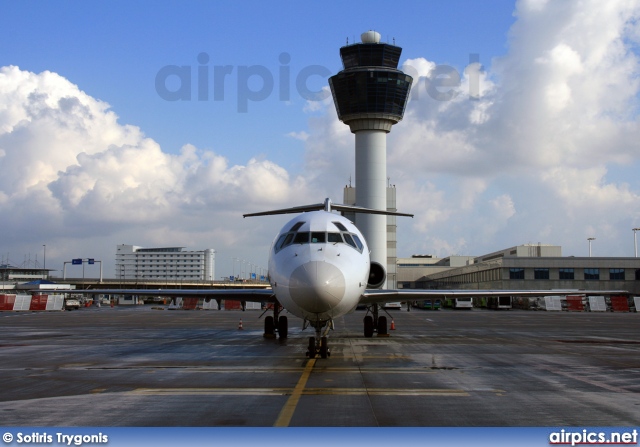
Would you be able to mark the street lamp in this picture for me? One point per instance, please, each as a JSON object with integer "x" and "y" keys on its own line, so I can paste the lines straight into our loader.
{"x": 590, "y": 239}
{"x": 635, "y": 241}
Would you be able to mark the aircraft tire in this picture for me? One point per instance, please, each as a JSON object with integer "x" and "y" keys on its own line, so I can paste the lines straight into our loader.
{"x": 324, "y": 348}
{"x": 283, "y": 327}
{"x": 368, "y": 326}
{"x": 382, "y": 325}
{"x": 311, "y": 351}
{"x": 269, "y": 327}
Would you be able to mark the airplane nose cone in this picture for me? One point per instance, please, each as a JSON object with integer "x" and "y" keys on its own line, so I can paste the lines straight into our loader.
{"x": 317, "y": 286}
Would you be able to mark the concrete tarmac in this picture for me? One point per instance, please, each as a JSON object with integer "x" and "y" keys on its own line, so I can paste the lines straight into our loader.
{"x": 146, "y": 367}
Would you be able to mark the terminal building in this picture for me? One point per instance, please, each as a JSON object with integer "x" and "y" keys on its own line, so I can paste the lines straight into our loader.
{"x": 525, "y": 267}
{"x": 164, "y": 263}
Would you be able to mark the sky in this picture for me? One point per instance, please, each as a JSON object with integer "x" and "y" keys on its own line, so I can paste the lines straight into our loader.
{"x": 159, "y": 123}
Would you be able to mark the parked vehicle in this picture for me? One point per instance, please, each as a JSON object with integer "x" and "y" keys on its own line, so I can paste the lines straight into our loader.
{"x": 71, "y": 304}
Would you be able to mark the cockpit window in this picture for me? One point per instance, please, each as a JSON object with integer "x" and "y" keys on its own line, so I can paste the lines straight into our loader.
{"x": 281, "y": 239}
{"x": 358, "y": 242}
{"x": 317, "y": 237}
{"x": 349, "y": 240}
{"x": 296, "y": 227}
{"x": 340, "y": 226}
{"x": 288, "y": 240}
{"x": 284, "y": 240}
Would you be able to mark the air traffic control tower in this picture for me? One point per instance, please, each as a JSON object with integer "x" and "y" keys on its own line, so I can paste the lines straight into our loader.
{"x": 370, "y": 95}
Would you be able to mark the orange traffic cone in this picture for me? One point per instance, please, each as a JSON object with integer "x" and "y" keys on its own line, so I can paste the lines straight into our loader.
{"x": 240, "y": 325}
{"x": 393, "y": 325}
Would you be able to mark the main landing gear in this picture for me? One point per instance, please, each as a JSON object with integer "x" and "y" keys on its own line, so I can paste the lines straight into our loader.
{"x": 270, "y": 326}
{"x": 375, "y": 323}
{"x": 318, "y": 344}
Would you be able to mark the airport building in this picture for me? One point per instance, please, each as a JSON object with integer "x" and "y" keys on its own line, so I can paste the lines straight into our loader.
{"x": 525, "y": 267}
{"x": 164, "y": 263}
{"x": 9, "y": 273}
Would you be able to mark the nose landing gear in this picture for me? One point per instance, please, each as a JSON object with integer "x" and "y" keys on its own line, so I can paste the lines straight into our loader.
{"x": 319, "y": 344}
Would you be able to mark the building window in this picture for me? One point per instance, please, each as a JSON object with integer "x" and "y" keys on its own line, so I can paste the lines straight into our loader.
{"x": 616, "y": 274}
{"x": 591, "y": 274}
{"x": 566, "y": 274}
{"x": 516, "y": 273}
{"x": 541, "y": 273}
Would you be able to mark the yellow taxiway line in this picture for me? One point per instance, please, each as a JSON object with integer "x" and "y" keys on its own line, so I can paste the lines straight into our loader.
{"x": 284, "y": 418}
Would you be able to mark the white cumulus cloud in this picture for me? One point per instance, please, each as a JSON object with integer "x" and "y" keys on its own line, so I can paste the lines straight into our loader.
{"x": 72, "y": 176}
{"x": 537, "y": 151}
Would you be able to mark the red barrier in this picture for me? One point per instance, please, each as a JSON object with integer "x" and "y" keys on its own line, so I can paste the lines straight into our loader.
{"x": 189, "y": 303}
{"x": 232, "y": 305}
{"x": 574, "y": 303}
{"x": 620, "y": 304}
{"x": 38, "y": 302}
{"x": 7, "y": 302}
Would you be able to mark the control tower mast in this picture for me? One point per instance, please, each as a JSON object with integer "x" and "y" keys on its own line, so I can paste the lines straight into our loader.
{"x": 370, "y": 95}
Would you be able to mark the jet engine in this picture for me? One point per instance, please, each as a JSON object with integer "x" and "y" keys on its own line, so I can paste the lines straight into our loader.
{"x": 377, "y": 275}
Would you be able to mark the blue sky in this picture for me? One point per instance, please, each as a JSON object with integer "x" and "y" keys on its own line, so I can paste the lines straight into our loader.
{"x": 547, "y": 154}
{"x": 114, "y": 50}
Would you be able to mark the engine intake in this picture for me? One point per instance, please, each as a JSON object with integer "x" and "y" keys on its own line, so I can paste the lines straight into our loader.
{"x": 377, "y": 275}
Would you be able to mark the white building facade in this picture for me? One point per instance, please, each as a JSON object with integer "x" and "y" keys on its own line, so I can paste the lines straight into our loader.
{"x": 165, "y": 263}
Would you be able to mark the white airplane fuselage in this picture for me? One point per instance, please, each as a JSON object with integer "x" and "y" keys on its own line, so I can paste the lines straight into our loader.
{"x": 318, "y": 266}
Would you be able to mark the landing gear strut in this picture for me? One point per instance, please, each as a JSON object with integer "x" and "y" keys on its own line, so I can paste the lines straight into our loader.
{"x": 319, "y": 344}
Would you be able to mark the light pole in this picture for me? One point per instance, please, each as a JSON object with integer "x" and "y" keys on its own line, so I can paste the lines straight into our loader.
{"x": 635, "y": 241}
{"x": 590, "y": 239}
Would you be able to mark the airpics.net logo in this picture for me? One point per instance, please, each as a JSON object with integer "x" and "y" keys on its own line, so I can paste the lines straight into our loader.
{"x": 588, "y": 437}
{"x": 207, "y": 81}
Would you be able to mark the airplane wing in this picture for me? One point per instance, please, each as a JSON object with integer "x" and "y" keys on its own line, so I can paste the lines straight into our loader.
{"x": 379, "y": 296}
{"x": 327, "y": 206}
{"x": 251, "y": 295}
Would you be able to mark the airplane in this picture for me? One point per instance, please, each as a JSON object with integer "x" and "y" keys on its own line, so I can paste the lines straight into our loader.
{"x": 319, "y": 270}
